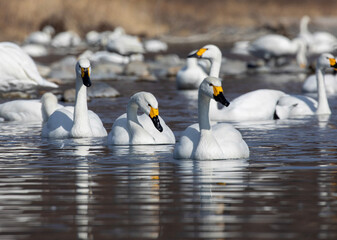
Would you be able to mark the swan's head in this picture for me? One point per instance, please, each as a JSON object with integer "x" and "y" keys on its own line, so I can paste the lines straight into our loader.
{"x": 83, "y": 70}
{"x": 149, "y": 105}
{"x": 211, "y": 87}
{"x": 209, "y": 52}
{"x": 326, "y": 60}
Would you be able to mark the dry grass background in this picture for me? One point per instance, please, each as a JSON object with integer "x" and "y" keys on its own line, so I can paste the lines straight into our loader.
{"x": 153, "y": 17}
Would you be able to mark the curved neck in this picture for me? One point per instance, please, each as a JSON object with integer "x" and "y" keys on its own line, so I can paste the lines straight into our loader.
{"x": 81, "y": 107}
{"x": 203, "y": 112}
{"x": 323, "y": 105}
{"x": 215, "y": 67}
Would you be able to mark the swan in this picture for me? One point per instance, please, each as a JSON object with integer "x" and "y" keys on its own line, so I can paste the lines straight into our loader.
{"x": 41, "y": 37}
{"x": 303, "y": 105}
{"x": 191, "y": 75}
{"x": 203, "y": 141}
{"x": 148, "y": 128}
{"x": 66, "y": 39}
{"x": 35, "y": 110}
{"x": 310, "y": 84}
{"x": 273, "y": 46}
{"x": 17, "y": 70}
{"x": 317, "y": 42}
{"x": 77, "y": 121}
{"x": 248, "y": 106}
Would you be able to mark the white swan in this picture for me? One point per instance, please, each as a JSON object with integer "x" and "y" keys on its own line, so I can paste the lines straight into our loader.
{"x": 203, "y": 141}
{"x": 248, "y": 106}
{"x": 310, "y": 84}
{"x": 148, "y": 128}
{"x": 41, "y": 37}
{"x": 303, "y": 105}
{"x": 191, "y": 75}
{"x": 272, "y": 46}
{"x": 30, "y": 110}
{"x": 318, "y": 42}
{"x": 17, "y": 70}
{"x": 77, "y": 121}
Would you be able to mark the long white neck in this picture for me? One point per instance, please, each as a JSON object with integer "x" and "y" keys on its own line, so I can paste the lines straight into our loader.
{"x": 304, "y": 26}
{"x": 131, "y": 112}
{"x": 323, "y": 105}
{"x": 81, "y": 125}
{"x": 191, "y": 62}
{"x": 203, "y": 112}
{"x": 215, "y": 67}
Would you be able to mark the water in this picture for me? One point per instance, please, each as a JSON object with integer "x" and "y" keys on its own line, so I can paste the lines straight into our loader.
{"x": 84, "y": 189}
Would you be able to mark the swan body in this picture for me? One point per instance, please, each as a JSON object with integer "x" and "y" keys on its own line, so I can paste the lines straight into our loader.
{"x": 125, "y": 44}
{"x": 190, "y": 76}
{"x": 66, "y": 39}
{"x": 203, "y": 141}
{"x": 41, "y": 37}
{"x": 148, "y": 128}
{"x": 256, "y": 105}
{"x": 273, "y": 46}
{"x": 18, "y": 70}
{"x": 317, "y": 42}
{"x": 29, "y": 110}
{"x": 310, "y": 84}
{"x": 303, "y": 105}
{"x": 77, "y": 121}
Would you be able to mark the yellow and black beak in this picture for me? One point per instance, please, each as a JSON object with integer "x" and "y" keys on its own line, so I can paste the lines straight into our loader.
{"x": 154, "y": 113}
{"x": 333, "y": 63}
{"x": 198, "y": 54}
{"x": 85, "y": 74}
{"x": 218, "y": 96}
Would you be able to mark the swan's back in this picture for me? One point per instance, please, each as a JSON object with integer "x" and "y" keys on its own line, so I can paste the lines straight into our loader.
{"x": 21, "y": 110}
{"x": 310, "y": 84}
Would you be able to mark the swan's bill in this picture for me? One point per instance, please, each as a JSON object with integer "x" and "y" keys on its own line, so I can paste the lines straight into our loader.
{"x": 333, "y": 63}
{"x": 198, "y": 53}
{"x": 218, "y": 96}
{"x": 85, "y": 74}
{"x": 154, "y": 112}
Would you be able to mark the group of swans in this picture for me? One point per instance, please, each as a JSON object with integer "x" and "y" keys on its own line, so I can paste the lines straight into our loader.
{"x": 276, "y": 104}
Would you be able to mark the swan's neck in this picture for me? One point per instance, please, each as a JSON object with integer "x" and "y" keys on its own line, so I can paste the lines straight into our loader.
{"x": 203, "y": 112}
{"x": 323, "y": 105}
{"x": 304, "y": 26}
{"x": 131, "y": 112}
{"x": 192, "y": 62}
{"x": 301, "y": 54}
{"x": 215, "y": 67}
{"x": 81, "y": 126}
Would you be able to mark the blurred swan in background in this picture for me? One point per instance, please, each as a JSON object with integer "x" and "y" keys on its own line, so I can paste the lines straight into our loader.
{"x": 317, "y": 42}
{"x": 77, "y": 121}
{"x": 148, "y": 128}
{"x": 191, "y": 75}
{"x": 203, "y": 141}
{"x": 272, "y": 47}
{"x": 303, "y": 105}
{"x": 30, "y": 110}
{"x": 43, "y": 37}
{"x": 18, "y": 71}
{"x": 330, "y": 80}
{"x": 66, "y": 39}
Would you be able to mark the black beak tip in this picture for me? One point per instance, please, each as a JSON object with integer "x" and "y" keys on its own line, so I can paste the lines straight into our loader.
{"x": 157, "y": 124}
{"x": 221, "y": 99}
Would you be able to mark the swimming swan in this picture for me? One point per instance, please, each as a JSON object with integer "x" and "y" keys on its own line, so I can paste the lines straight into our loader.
{"x": 330, "y": 80}
{"x": 30, "y": 110}
{"x": 203, "y": 141}
{"x": 18, "y": 70}
{"x": 303, "y": 105}
{"x": 77, "y": 121}
{"x": 191, "y": 75}
{"x": 246, "y": 107}
{"x": 148, "y": 128}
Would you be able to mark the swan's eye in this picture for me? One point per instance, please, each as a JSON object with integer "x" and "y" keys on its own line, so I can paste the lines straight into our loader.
{"x": 211, "y": 84}
{"x": 149, "y": 105}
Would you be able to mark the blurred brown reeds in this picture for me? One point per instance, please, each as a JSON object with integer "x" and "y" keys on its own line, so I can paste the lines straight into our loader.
{"x": 151, "y": 17}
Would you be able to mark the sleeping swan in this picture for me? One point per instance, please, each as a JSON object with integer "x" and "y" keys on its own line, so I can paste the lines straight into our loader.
{"x": 203, "y": 141}
{"x": 149, "y": 128}
{"x": 30, "y": 110}
{"x": 77, "y": 121}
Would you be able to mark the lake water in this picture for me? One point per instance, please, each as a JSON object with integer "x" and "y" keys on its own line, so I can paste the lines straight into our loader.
{"x": 84, "y": 189}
